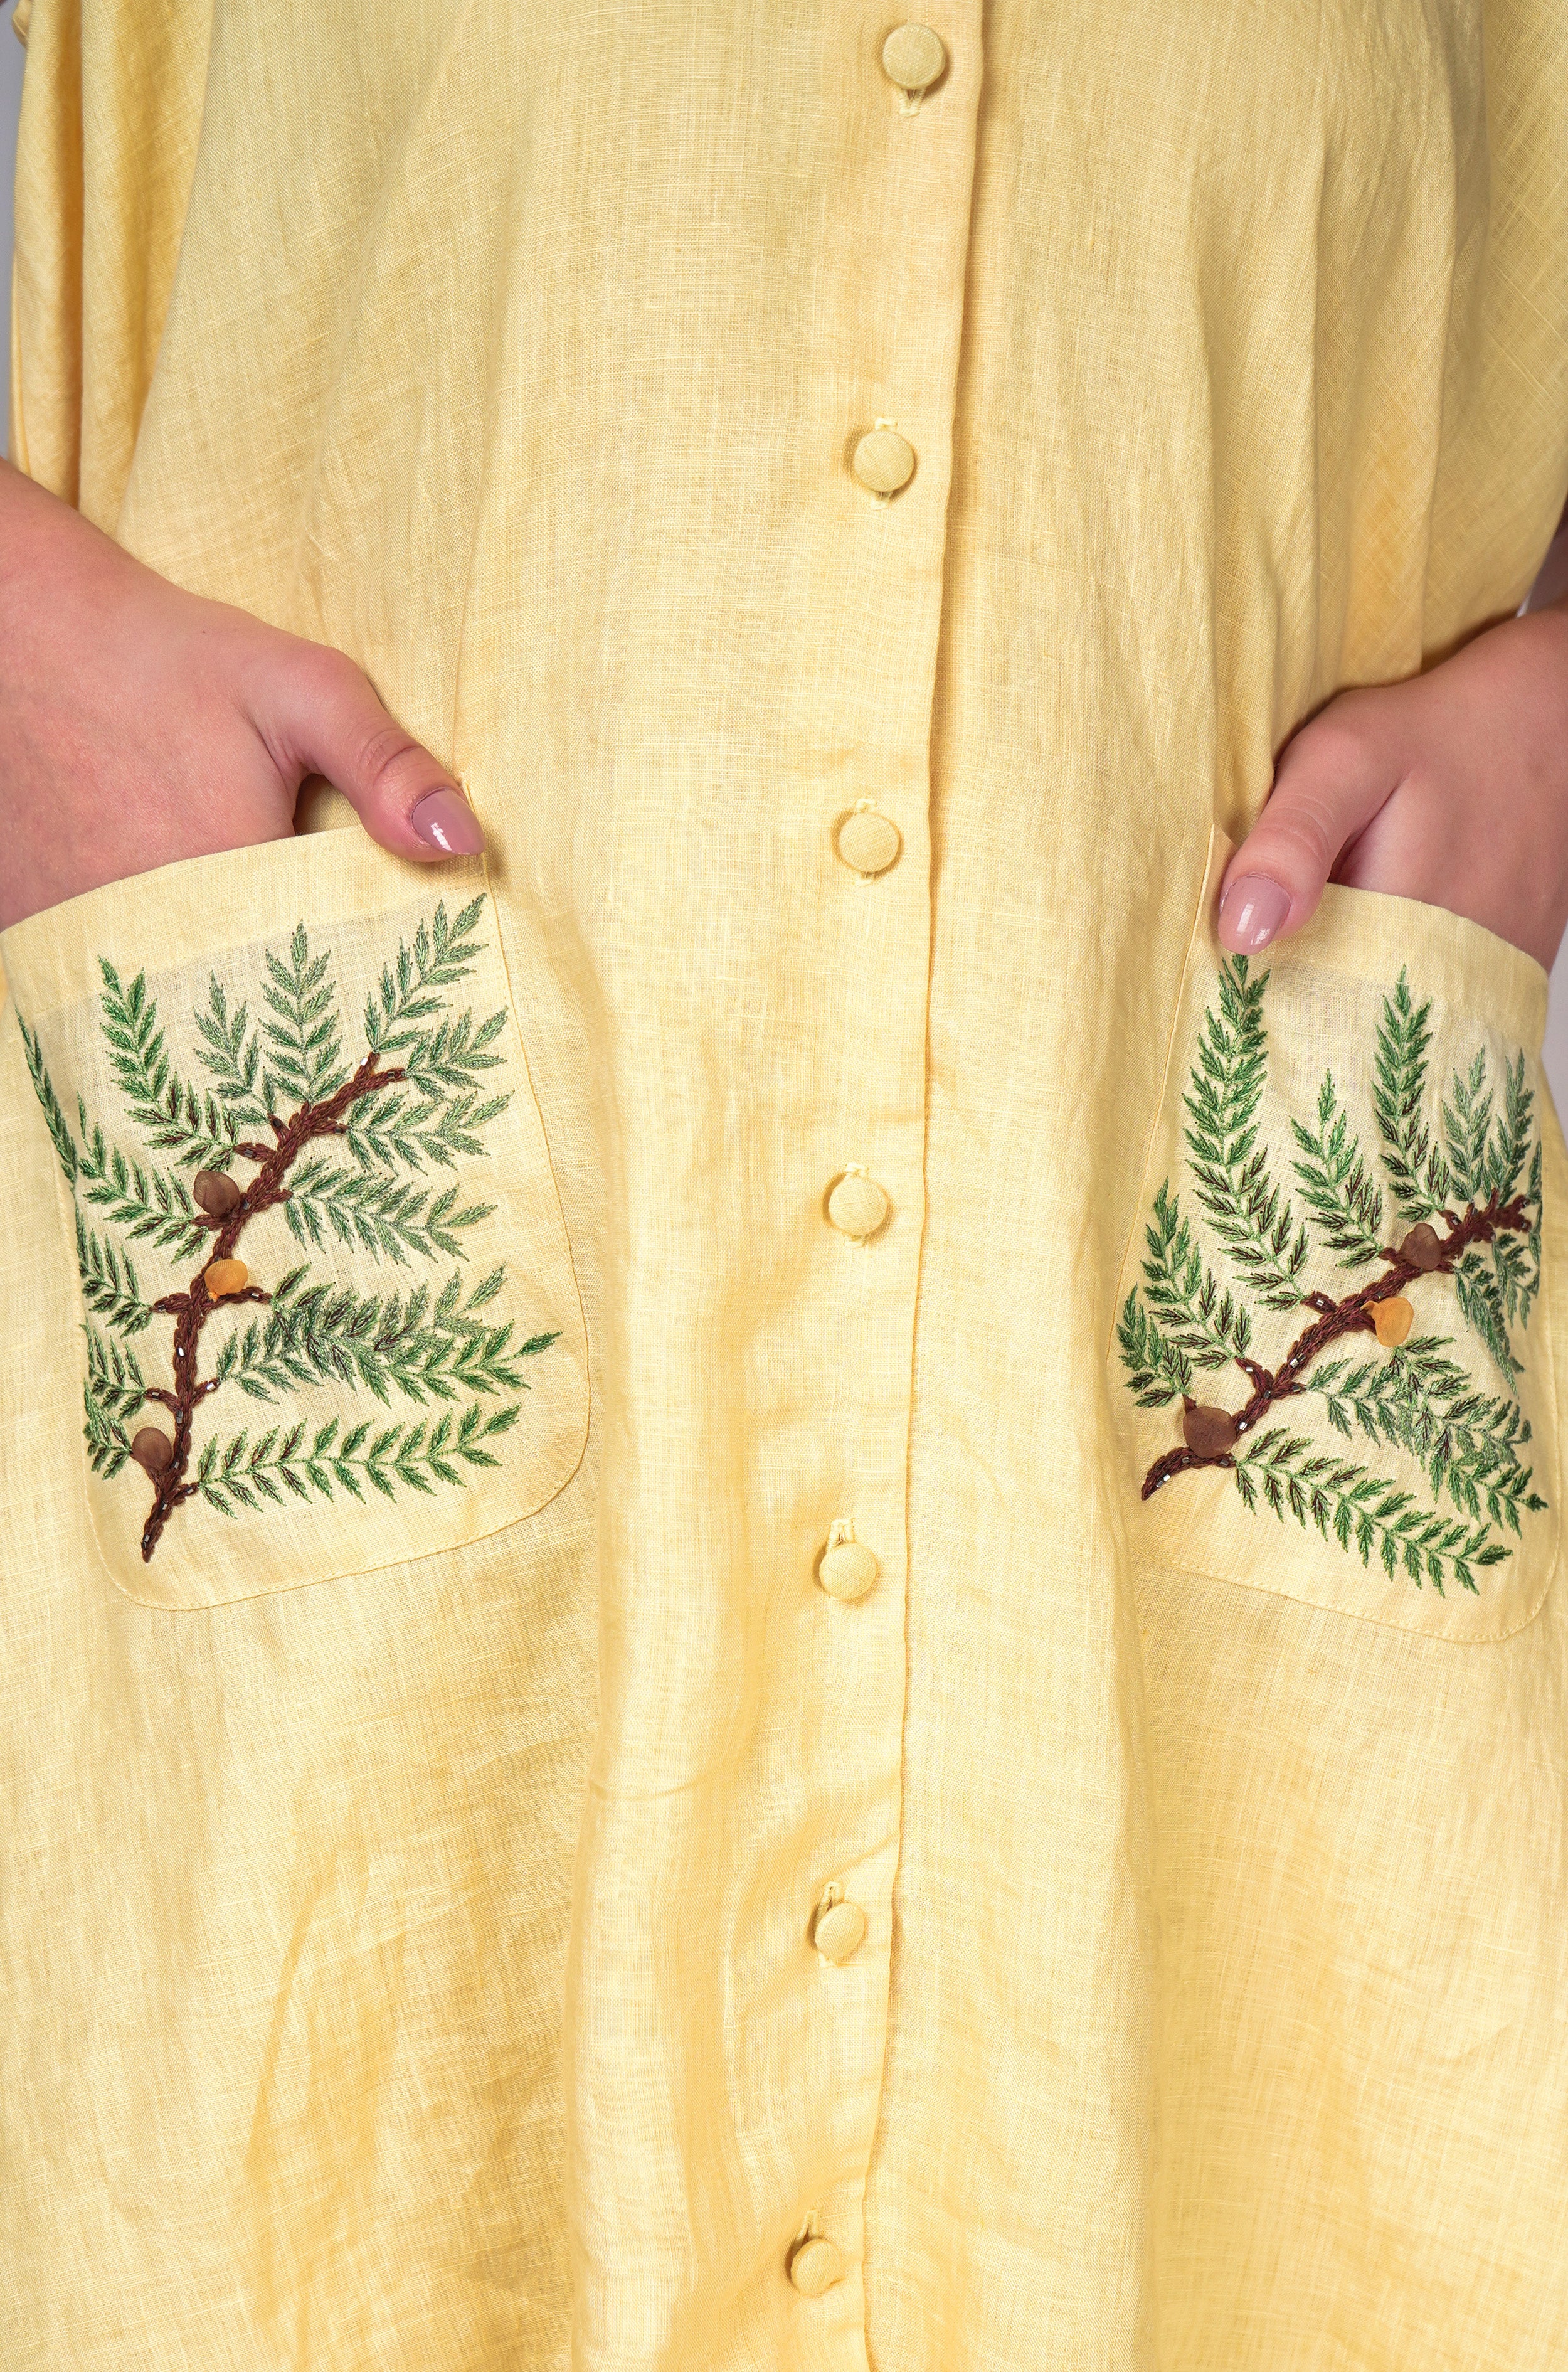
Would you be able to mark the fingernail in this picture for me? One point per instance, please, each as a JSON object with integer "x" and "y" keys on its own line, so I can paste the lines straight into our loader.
{"x": 1254, "y": 907}
{"x": 444, "y": 820}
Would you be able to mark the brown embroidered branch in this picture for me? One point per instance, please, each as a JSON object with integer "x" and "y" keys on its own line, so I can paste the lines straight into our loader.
{"x": 192, "y": 1308}
{"x": 1353, "y": 1315}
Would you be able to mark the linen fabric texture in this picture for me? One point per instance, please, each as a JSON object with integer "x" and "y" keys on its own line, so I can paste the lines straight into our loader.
{"x": 408, "y": 1893}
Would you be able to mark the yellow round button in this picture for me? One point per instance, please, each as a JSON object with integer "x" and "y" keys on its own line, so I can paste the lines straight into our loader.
{"x": 868, "y": 839}
{"x": 912, "y": 56}
{"x": 884, "y": 460}
{"x": 814, "y": 2266}
{"x": 847, "y": 1569}
{"x": 837, "y": 1931}
{"x": 857, "y": 1205}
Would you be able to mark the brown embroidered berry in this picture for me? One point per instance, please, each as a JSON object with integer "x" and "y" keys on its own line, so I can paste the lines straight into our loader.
{"x": 151, "y": 1449}
{"x": 217, "y": 1192}
{"x": 1422, "y": 1247}
{"x": 1392, "y": 1321}
{"x": 224, "y": 1277}
{"x": 1208, "y": 1432}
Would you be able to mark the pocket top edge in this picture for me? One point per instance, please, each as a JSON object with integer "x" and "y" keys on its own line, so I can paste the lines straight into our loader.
{"x": 1372, "y": 934}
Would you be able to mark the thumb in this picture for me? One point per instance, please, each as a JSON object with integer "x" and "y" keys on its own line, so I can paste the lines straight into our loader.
{"x": 1330, "y": 781}
{"x": 322, "y": 715}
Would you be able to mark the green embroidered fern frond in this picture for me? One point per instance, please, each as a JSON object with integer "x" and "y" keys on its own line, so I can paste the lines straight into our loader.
{"x": 1157, "y": 1371}
{"x": 1249, "y": 1215}
{"x": 1360, "y": 1510}
{"x": 111, "y": 1286}
{"x": 1503, "y": 1165}
{"x": 107, "y": 1444}
{"x": 314, "y": 1333}
{"x": 1209, "y": 1325}
{"x": 1420, "y": 1400}
{"x": 1416, "y": 1169}
{"x": 54, "y": 1118}
{"x": 115, "y": 1376}
{"x": 1342, "y": 1197}
{"x": 398, "y": 1128}
{"x": 171, "y": 1114}
{"x": 1467, "y": 1123}
{"x": 231, "y": 1049}
{"x": 302, "y": 1044}
{"x": 151, "y": 1208}
{"x": 441, "y": 955}
{"x": 416, "y": 1455}
{"x": 386, "y": 1218}
{"x": 1476, "y": 1289}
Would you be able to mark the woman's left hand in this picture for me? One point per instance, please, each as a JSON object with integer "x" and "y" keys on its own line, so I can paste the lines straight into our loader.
{"x": 1451, "y": 787}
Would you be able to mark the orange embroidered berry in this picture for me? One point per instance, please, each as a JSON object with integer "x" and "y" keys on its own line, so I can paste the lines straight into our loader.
{"x": 151, "y": 1449}
{"x": 1422, "y": 1247}
{"x": 1392, "y": 1321}
{"x": 217, "y": 1192}
{"x": 1208, "y": 1432}
{"x": 225, "y": 1276}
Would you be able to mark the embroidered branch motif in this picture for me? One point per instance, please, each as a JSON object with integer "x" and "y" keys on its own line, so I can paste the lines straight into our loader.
{"x": 283, "y": 1102}
{"x": 1459, "y": 1186}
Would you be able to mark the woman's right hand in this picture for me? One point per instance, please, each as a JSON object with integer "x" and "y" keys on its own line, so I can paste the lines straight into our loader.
{"x": 140, "y": 723}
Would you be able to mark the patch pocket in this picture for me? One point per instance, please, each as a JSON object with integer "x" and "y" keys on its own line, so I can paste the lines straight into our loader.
{"x": 330, "y": 1320}
{"x": 1332, "y": 1362}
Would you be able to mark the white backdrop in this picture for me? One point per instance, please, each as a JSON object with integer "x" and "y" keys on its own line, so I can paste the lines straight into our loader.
{"x": 11, "y": 60}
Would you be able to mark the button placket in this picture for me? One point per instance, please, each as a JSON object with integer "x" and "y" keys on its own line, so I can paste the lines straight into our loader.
{"x": 894, "y": 568}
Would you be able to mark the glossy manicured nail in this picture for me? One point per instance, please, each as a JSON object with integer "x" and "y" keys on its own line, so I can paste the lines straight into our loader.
{"x": 444, "y": 820}
{"x": 1254, "y": 908}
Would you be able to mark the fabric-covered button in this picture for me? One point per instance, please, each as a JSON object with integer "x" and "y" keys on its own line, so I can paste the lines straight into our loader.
{"x": 868, "y": 839}
{"x": 883, "y": 460}
{"x": 814, "y": 2266}
{"x": 912, "y": 56}
{"x": 837, "y": 1930}
{"x": 847, "y": 1569}
{"x": 857, "y": 1205}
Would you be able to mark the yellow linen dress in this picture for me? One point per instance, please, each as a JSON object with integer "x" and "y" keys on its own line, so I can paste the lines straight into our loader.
{"x": 839, "y": 1646}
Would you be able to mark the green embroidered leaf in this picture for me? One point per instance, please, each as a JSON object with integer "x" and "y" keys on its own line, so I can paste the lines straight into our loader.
{"x": 386, "y": 1219}
{"x": 111, "y": 1286}
{"x": 1249, "y": 1217}
{"x": 1420, "y": 1400}
{"x": 1504, "y": 1164}
{"x": 1342, "y": 1197}
{"x": 1208, "y": 1325}
{"x": 446, "y": 1060}
{"x": 1476, "y": 1288}
{"x": 1157, "y": 1371}
{"x": 172, "y": 1116}
{"x": 54, "y": 1118}
{"x": 1358, "y": 1509}
{"x": 152, "y": 1207}
{"x": 392, "y": 1127}
{"x": 440, "y": 956}
{"x": 1415, "y": 1165}
{"x": 114, "y": 1376}
{"x": 1467, "y": 1122}
{"x": 108, "y": 1445}
{"x": 232, "y": 1051}
{"x": 313, "y": 1334}
{"x": 416, "y": 1455}
{"x": 302, "y": 1044}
